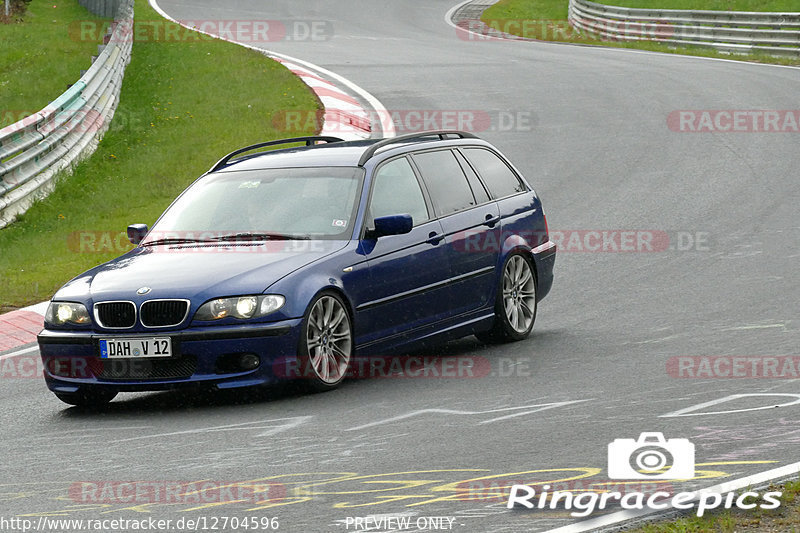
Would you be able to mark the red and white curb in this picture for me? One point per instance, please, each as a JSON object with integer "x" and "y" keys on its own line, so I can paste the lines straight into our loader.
{"x": 344, "y": 115}
{"x": 20, "y": 327}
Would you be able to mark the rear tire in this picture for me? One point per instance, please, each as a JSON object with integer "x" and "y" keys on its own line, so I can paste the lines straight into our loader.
{"x": 515, "y": 303}
{"x": 326, "y": 342}
{"x": 87, "y": 397}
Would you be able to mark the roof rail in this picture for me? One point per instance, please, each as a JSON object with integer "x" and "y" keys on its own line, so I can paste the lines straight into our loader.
{"x": 441, "y": 134}
{"x": 308, "y": 140}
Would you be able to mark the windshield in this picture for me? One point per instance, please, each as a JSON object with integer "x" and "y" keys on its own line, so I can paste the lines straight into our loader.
{"x": 301, "y": 203}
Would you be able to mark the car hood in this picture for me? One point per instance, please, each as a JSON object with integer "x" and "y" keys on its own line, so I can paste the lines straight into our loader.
{"x": 196, "y": 271}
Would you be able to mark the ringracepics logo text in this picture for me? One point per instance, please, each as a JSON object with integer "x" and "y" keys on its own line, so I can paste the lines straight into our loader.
{"x": 586, "y": 503}
{"x": 649, "y": 457}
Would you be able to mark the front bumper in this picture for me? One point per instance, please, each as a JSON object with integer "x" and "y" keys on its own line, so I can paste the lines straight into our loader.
{"x": 201, "y": 357}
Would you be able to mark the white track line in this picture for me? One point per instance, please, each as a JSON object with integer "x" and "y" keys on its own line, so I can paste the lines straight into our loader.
{"x": 29, "y": 349}
{"x": 378, "y": 107}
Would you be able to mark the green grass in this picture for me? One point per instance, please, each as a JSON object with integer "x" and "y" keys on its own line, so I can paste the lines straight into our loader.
{"x": 42, "y": 55}
{"x": 183, "y": 106}
{"x": 547, "y": 20}
{"x": 785, "y": 519}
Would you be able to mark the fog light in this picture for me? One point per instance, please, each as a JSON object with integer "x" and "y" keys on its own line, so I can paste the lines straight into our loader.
{"x": 249, "y": 361}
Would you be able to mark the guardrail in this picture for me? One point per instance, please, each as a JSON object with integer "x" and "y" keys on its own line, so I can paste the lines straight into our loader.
{"x": 102, "y": 8}
{"x": 34, "y": 150}
{"x": 775, "y": 34}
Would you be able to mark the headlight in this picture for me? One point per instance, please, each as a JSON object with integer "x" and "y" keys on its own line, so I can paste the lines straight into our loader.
{"x": 240, "y": 307}
{"x": 60, "y": 313}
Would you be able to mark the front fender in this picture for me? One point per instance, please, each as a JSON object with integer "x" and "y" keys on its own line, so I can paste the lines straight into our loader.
{"x": 340, "y": 272}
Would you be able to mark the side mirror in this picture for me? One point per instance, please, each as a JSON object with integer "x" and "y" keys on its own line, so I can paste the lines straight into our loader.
{"x": 136, "y": 232}
{"x": 391, "y": 225}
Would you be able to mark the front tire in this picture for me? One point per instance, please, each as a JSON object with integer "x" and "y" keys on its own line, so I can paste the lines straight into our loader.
{"x": 326, "y": 342}
{"x": 515, "y": 303}
{"x": 87, "y": 397}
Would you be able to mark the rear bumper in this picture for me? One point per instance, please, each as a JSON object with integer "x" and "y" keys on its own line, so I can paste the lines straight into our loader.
{"x": 72, "y": 359}
{"x": 544, "y": 257}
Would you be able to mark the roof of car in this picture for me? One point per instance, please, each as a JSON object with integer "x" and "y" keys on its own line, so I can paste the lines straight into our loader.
{"x": 338, "y": 154}
{"x": 331, "y": 151}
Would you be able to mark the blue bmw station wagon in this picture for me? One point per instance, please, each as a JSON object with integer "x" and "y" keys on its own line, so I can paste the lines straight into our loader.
{"x": 308, "y": 253}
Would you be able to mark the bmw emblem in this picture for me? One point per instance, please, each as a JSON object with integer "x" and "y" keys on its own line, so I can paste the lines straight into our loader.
{"x": 143, "y": 290}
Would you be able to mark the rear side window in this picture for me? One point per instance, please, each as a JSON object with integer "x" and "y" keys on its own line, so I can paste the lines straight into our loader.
{"x": 478, "y": 190}
{"x": 500, "y": 179}
{"x": 397, "y": 192}
{"x": 446, "y": 182}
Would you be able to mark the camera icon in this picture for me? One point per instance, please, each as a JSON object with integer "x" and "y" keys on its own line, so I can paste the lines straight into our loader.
{"x": 651, "y": 457}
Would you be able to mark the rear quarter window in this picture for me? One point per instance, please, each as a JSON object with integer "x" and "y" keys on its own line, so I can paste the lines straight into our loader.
{"x": 445, "y": 180}
{"x": 496, "y": 174}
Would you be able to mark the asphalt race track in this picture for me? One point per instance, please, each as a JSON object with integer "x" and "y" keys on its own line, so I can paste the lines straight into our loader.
{"x": 589, "y": 128}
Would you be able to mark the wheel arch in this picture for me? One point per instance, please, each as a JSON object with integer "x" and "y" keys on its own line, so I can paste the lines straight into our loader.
{"x": 517, "y": 244}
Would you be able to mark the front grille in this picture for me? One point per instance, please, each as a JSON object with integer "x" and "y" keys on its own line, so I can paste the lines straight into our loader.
{"x": 115, "y": 314}
{"x": 163, "y": 313}
{"x": 171, "y": 368}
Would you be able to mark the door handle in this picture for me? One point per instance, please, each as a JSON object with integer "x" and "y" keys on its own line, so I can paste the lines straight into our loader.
{"x": 491, "y": 220}
{"x": 434, "y": 238}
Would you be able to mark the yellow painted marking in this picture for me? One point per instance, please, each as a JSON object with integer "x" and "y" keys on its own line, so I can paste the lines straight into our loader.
{"x": 403, "y": 483}
{"x": 587, "y": 472}
{"x": 139, "y": 508}
{"x": 280, "y": 502}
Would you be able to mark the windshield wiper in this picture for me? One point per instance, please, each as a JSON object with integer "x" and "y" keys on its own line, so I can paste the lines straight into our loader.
{"x": 172, "y": 240}
{"x": 252, "y": 236}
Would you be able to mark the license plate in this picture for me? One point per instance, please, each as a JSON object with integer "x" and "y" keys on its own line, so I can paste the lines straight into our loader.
{"x": 135, "y": 348}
